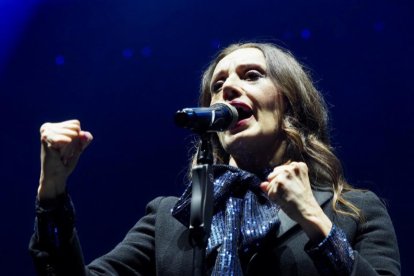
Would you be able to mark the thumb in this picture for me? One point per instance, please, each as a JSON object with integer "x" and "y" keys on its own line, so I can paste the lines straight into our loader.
{"x": 85, "y": 138}
{"x": 264, "y": 186}
{"x": 76, "y": 148}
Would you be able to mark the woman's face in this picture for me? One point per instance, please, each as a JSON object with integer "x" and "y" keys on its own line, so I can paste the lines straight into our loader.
{"x": 241, "y": 79}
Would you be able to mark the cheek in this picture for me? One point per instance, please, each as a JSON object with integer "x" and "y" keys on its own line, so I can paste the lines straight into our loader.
{"x": 278, "y": 109}
{"x": 268, "y": 95}
{"x": 273, "y": 109}
{"x": 214, "y": 98}
{"x": 272, "y": 102}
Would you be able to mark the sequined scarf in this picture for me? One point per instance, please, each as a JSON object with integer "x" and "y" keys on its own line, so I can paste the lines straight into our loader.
{"x": 242, "y": 218}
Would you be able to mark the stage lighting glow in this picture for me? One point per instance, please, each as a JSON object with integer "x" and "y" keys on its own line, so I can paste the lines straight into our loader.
{"x": 146, "y": 52}
{"x": 305, "y": 34}
{"x": 379, "y": 26}
{"x": 128, "y": 53}
{"x": 60, "y": 60}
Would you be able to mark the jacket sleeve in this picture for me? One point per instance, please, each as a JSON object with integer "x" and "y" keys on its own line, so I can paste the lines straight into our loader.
{"x": 56, "y": 250}
{"x": 333, "y": 255}
{"x": 375, "y": 247}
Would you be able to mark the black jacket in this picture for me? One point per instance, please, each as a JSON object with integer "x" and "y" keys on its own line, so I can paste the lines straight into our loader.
{"x": 159, "y": 245}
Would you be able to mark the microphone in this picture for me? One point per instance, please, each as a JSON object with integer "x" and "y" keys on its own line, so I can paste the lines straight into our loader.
{"x": 218, "y": 117}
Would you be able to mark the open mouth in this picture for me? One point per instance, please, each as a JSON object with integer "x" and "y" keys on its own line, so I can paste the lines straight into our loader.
{"x": 243, "y": 110}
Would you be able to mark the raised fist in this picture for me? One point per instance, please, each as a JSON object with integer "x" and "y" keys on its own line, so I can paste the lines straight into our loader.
{"x": 62, "y": 144}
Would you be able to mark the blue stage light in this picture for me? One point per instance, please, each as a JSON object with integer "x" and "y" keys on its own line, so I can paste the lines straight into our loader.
{"x": 60, "y": 60}
{"x": 379, "y": 26}
{"x": 146, "y": 52}
{"x": 128, "y": 53}
{"x": 305, "y": 34}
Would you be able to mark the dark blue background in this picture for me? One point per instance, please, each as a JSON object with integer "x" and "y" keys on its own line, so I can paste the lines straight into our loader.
{"x": 124, "y": 67}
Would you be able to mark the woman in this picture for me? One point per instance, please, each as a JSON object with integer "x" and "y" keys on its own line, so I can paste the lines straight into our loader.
{"x": 281, "y": 205}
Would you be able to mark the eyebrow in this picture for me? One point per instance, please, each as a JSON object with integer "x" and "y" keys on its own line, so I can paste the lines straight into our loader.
{"x": 238, "y": 68}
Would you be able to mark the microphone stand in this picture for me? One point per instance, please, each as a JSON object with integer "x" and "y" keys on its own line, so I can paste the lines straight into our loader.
{"x": 218, "y": 117}
{"x": 201, "y": 204}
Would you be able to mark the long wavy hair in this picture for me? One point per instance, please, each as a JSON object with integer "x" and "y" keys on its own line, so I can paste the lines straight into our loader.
{"x": 304, "y": 122}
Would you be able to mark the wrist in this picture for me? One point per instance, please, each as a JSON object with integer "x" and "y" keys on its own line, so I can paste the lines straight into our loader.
{"x": 317, "y": 226}
{"x": 50, "y": 188}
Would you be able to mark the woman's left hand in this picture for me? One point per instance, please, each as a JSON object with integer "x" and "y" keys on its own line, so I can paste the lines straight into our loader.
{"x": 289, "y": 186}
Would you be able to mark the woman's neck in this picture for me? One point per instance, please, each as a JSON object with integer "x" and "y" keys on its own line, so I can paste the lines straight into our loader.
{"x": 257, "y": 161}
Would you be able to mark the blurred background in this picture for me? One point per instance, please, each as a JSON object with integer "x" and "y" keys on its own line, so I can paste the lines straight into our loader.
{"x": 124, "y": 67}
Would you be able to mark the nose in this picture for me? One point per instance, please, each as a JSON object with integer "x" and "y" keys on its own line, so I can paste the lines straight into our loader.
{"x": 231, "y": 88}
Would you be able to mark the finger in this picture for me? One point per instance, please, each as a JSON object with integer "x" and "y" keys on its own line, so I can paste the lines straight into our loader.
{"x": 62, "y": 136}
{"x": 275, "y": 191}
{"x": 290, "y": 167}
{"x": 50, "y": 132}
{"x": 68, "y": 150}
{"x": 280, "y": 170}
{"x": 78, "y": 145}
{"x": 72, "y": 121}
{"x": 56, "y": 141}
{"x": 62, "y": 131}
{"x": 264, "y": 186}
{"x": 283, "y": 167}
{"x": 71, "y": 124}
{"x": 283, "y": 177}
{"x": 278, "y": 192}
{"x": 299, "y": 169}
{"x": 295, "y": 168}
{"x": 85, "y": 139}
{"x": 303, "y": 167}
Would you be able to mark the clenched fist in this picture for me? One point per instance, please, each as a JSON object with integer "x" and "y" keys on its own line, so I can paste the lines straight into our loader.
{"x": 61, "y": 145}
{"x": 289, "y": 186}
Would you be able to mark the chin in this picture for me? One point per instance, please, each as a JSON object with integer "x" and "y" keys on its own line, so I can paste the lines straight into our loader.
{"x": 233, "y": 144}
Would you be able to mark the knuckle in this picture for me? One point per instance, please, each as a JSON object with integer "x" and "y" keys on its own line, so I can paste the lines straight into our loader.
{"x": 76, "y": 122}
{"x": 43, "y": 137}
{"x": 277, "y": 178}
{"x": 303, "y": 166}
{"x": 294, "y": 165}
{"x": 44, "y": 126}
{"x": 285, "y": 174}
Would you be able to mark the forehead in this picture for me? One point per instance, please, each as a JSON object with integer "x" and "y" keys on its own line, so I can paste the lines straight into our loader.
{"x": 240, "y": 57}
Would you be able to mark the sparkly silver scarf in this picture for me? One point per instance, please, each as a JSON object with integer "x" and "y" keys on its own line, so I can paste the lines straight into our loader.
{"x": 242, "y": 218}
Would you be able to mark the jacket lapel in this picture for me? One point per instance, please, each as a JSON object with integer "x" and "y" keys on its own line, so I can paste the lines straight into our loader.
{"x": 286, "y": 223}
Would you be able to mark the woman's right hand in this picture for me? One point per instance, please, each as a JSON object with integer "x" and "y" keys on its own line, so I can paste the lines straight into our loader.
{"x": 61, "y": 145}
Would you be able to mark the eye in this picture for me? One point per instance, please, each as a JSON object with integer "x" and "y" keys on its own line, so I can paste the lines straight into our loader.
{"x": 217, "y": 86}
{"x": 253, "y": 75}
